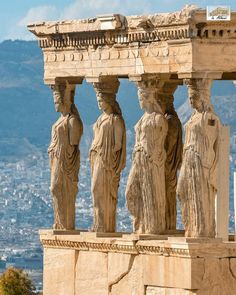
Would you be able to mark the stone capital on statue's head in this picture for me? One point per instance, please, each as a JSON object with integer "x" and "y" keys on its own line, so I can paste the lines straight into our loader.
{"x": 109, "y": 87}
{"x": 150, "y": 85}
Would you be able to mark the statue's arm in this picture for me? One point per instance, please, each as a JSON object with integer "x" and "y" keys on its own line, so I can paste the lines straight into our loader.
{"x": 75, "y": 131}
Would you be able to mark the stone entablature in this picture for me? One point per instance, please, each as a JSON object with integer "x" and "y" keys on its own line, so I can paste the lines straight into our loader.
{"x": 117, "y": 29}
{"x": 178, "y": 44}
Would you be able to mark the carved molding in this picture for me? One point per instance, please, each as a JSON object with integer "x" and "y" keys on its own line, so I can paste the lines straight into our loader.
{"x": 113, "y": 54}
{"x": 166, "y": 251}
{"x": 135, "y": 248}
{"x": 64, "y": 244}
{"x": 101, "y": 38}
{"x": 109, "y": 247}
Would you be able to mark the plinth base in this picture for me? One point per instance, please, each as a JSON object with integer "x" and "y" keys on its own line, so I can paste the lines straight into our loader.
{"x": 86, "y": 264}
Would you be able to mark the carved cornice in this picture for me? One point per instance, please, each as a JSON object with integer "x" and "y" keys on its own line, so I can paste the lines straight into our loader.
{"x": 82, "y": 40}
{"x": 118, "y": 30}
{"x": 175, "y": 44}
{"x": 101, "y": 38}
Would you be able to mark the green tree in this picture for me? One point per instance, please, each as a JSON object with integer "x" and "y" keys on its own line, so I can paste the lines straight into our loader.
{"x": 16, "y": 282}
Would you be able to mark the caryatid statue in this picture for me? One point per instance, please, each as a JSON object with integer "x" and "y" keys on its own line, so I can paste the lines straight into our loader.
{"x": 145, "y": 191}
{"x": 174, "y": 150}
{"x": 197, "y": 184}
{"x": 107, "y": 156}
{"x": 64, "y": 155}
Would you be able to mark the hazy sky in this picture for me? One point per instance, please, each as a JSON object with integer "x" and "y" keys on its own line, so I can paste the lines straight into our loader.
{"x": 16, "y": 14}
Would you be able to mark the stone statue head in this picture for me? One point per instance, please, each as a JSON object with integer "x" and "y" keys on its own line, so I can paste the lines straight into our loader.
{"x": 106, "y": 95}
{"x": 149, "y": 98}
{"x": 107, "y": 101}
{"x": 199, "y": 94}
{"x": 104, "y": 102}
{"x": 63, "y": 94}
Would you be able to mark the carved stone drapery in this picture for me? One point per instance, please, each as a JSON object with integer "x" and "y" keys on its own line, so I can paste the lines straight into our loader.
{"x": 107, "y": 155}
{"x": 64, "y": 156}
{"x": 145, "y": 191}
{"x": 197, "y": 184}
{"x": 174, "y": 149}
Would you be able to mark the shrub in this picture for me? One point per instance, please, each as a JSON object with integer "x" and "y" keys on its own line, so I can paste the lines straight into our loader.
{"x": 16, "y": 282}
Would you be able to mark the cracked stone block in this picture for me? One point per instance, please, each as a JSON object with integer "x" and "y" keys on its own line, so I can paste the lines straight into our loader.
{"x": 132, "y": 282}
{"x": 119, "y": 265}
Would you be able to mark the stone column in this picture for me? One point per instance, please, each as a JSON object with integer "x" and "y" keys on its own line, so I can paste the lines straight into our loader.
{"x": 145, "y": 191}
{"x": 164, "y": 89}
{"x": 197, "y": 184}
{"x": 173, "y": 147}
{"x": 64, "y": 156}
{"x": 107, "y": 154}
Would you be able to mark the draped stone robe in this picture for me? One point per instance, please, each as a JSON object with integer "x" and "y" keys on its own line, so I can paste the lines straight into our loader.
{"x": 65, "y": 162}
{"x": 197, "y": 184}
{"x": 145, "y": 192}
{"x": 174, "y": 150}
{"x": 106, "y": 166}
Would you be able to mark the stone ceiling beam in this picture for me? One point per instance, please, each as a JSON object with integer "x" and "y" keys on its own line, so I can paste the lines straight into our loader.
{"x": 196, "y": 75}
{"x": 70, "y": 80}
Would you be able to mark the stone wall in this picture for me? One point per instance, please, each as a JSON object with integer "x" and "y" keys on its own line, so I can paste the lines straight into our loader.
{"x": 84, "y": 263}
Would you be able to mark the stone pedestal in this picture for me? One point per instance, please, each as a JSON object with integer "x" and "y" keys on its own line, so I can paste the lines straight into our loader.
{"x": 89, "y": 263}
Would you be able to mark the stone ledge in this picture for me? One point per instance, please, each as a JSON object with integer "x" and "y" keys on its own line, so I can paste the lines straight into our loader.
{"x": 137, "y": 244}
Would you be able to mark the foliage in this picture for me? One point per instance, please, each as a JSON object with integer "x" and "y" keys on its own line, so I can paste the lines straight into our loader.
{"x": 16, "y": 282}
